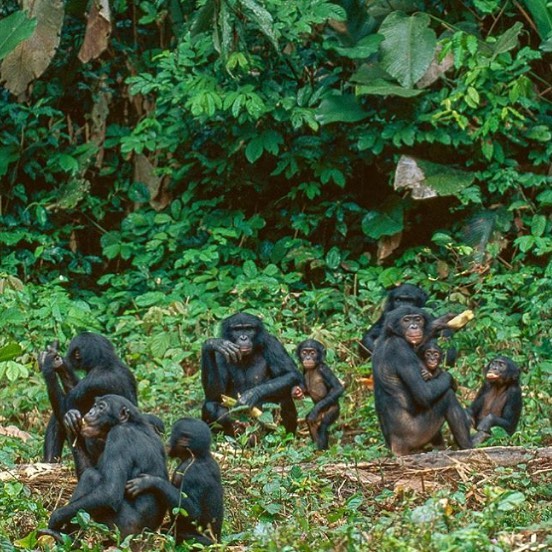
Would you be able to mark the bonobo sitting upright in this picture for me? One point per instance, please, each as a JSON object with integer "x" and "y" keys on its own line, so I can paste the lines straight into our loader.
{"x": 322, "y": 386}
{"x": 498, "y": 402}
{"x": 105, "y": 373}
{"x": 405, "y": 294}
{"x": 410, "y": 410}
{"x": 248, "y": 364}
{"x": 131, "y": 447}
{"x": 196, "y": 485}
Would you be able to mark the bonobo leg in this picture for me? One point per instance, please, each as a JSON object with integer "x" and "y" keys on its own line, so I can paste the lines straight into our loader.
{"x": 216, "y": 415}
{"x": 288, "y": 412}
{"x": 456, "y": 419}
{"x": 53, "y": 441}
{"x": 323, "y": 423}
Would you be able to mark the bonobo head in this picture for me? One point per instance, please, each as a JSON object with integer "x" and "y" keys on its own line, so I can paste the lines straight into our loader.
{"x": 310, "y": 353}
{"x": 245, "y": 330}
{"x": 408, "y": 323}
{"x": 107, "y": 412}
{"x": 501, "y": 371}
{"x": 432, "y": 355}
{"x": 406, "y": 294}
{"x": 189, "y": 437}
{"x": 88, "y": 350}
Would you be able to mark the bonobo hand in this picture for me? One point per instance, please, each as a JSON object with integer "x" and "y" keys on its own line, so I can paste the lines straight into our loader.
{"x": 72, "y": 421}
{"x": 249, "y": 398}
{"x": 426, "y": 374}
{"x": 230, "y": 351}
{"x": 312, "y": 416}
{"x": 486, "y": 423}
{"x": 441, "y": 323}
{"x": 138, "y": 485}
{"x": 50, "y": 360}
{"x": 57, "y": 519}
{"x": 297, "y": 392}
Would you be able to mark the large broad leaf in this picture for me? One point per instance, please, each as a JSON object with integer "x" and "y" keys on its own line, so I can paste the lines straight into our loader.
{"x": 31, "y": 57}
{"x": 426, "y": 179}
{"x": 345, "y": 109}
{"x": 262, "y": 18}
{"x": 386, "y": 222}
{"x": 14, "y": 29}
{"x": 507, "y": 40}
{"x": 541, "y": 10}
{"x": 382, "y": 87}
{"x": 9, "y": 351}
{"x": 98, "y": 29}
{"x": 408, "y": 47}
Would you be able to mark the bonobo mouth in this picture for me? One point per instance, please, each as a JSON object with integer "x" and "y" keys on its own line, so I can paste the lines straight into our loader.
{"x": 431, "y": 366}
{"x": 492, "y": 376}
{"x": 244, "y": 351}
{"x": 309, "y": 364}
{"x": 414, "y": 338}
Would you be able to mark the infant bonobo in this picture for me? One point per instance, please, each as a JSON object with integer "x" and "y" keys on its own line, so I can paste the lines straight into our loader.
{"x": 432, "y": 356}
{"x": 322, "y": 386}
{"x": 499, "y": 401}
{"x": 196, "y": 484}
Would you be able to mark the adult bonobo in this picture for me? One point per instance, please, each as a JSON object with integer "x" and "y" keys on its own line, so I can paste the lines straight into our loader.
{"x": 410, "y": 410}
{"x": 248, "y": 364}
{"x": 105, "y": 373}
{"x": 498, "y": 402}
{"x": 131, "y": 447}
{"x": 196, "y": 484}
{"x": 322, "y": 386}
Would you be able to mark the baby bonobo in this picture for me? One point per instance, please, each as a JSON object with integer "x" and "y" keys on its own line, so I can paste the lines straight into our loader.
{"x": 322, "y": 386}
{"x": 432, "y": 356}
{"x": 196, "y": 484}
{"x": 498, "y": 402}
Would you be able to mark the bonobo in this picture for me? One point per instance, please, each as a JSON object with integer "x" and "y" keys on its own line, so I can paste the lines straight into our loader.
{"x": 196, "y": 485}
{"x": 131, "y": 448}
{"x": 432, "y": 357}
{"x": 498, "y": 402}
{"x": 322, "y": 386}
{"x": 405, "y": 294}
{"x": 105, "y": 373}
{"x": 248, "y": 364}
{"x": 410, "y": 410}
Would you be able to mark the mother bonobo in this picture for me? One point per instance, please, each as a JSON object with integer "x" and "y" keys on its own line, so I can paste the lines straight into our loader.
{"x": 249, "y": 364}
{"x": 410, "y": 410}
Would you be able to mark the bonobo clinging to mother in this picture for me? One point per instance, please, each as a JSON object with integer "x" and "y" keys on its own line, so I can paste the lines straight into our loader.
{"x": 248, "y": 364}
{"x": 410, "y": 410}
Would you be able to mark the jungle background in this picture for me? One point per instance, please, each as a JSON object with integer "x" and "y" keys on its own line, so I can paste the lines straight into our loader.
{"x": 165, "y": 163}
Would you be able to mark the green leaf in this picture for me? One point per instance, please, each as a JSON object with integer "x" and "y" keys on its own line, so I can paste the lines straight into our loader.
{"x": 254, "y": 149}
{"x": 8, "y": 154}
{"x": 262, "y": 18}
{"x": 362, "y": 49}
{"x": 250, "y": 269}
{"x": 381, "y": 87}
{"x": 507, "y": 40}
{"x": 344, "y": 109}
{"x": 14, "y": 29}
{"x": 387, "y": 222}
{"x": 333, "y": 258}
{"x": 538, "y": 225}
{"x": 542, "y": 16}
{"x": 9, "y": 351}
{"x": 408, "y": 48}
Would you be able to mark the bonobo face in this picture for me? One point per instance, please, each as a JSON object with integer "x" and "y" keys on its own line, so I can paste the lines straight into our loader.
{"x": 432, "y": 358}
{"x": 309, "y": 358}
{"x": 244, "y": 337}
{"x": 496, "y": 370}
{"x": 413, "y": 328}
{"x": 97, "y": 421}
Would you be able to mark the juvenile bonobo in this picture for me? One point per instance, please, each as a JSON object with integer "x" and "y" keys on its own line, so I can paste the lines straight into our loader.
{"x": 322, "y": 386}
{"x": 405, "y": 294}
{"x": 105, "y": 373}
{"x": 131, "y": 447}
{"x": 196, "y": 484}
{"x": 410, "y": 410}
{"x": 248, "y": 364}
{"x": 499, "y": 401}
{"x": 432, "y": 357}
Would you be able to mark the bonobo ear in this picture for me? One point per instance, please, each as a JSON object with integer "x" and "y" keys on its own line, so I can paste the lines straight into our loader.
{"x": 124, "y": 414}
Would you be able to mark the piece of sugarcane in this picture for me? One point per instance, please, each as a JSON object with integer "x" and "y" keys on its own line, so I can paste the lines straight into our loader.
{"x": 461, "y": 320}
{"x": 255, "y": 412}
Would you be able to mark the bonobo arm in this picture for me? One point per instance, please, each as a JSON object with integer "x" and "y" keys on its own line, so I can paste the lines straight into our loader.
{"x": 510, "y": 414}
{"x": 108, "y": 489}
{"x": 368, "y": 341}
{"x": 49, "y": 361}
{"x": 214, "y": 369}
{"x": 335, "y": 389}
{"x": 474, "y": 410}
{"x": 173, "y": 496}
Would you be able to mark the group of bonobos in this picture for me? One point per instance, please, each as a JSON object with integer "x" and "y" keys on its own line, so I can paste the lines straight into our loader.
{"x": 119, "y": 456}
